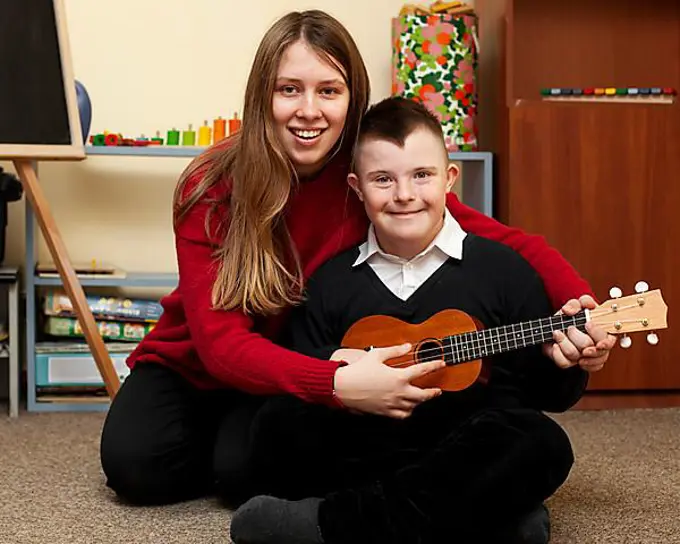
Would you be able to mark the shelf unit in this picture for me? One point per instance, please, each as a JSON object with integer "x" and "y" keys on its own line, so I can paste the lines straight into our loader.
{"x": 9, "y": 280}
{"x": 598, "y": 180}
{"x": 477, "y": 192}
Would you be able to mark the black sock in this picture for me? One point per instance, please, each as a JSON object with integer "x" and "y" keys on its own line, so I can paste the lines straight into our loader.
{"x": 268, "y": 520}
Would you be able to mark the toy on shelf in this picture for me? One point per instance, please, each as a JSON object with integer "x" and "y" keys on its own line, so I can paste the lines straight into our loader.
{"x": 89, "y": 270}
{"x": 189, "y": 136}
{"x": 173, "y": 136}
{"x": 204, "y": 134}
{"x": 98, "y": 140}
{"x": 219, "y": 129}
{"x": 657, "y": 95}
{"x": 110, "y": 139}
{"x": 157, "y": 140}
{"x": 234, "y": 124}
{"x": 205, "y": 137}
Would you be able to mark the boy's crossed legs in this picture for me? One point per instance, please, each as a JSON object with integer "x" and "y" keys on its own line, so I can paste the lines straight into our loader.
{"x": 450, "y": 471}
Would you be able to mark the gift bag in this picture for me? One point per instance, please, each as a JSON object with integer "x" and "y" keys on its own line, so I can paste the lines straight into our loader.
{"x": 434, "y": 61}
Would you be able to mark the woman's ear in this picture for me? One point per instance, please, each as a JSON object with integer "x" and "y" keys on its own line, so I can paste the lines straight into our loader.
{"x": 452, "y": 173}
{"x": 353, "y": 182}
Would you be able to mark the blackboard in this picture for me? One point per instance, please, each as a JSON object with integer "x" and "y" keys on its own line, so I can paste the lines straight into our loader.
{"x": 37, "y": 96}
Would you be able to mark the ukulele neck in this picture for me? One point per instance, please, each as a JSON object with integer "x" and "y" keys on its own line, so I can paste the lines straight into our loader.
{"x": 470, "y": 346}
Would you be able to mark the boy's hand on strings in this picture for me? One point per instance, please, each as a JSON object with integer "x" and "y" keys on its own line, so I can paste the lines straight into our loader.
{"x": 589, "y": 350}
{"x": 370, "y": 386}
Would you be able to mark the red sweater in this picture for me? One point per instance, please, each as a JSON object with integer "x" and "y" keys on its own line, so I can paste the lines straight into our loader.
{"x": 213, "y": 349}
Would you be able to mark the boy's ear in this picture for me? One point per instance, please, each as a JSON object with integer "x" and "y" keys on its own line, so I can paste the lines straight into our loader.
{"x": 452, "y": 173}
{"x": 353, "y": 181}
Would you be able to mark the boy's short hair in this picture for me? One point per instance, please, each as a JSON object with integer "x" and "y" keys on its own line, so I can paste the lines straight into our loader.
{"x": 394, "y": 119}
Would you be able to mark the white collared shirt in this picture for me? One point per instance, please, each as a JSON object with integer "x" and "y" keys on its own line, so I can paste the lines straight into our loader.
{"x": 402, "y": 276}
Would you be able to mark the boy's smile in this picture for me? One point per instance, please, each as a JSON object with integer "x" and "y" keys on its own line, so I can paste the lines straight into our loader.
{"x": 404, "y": 190}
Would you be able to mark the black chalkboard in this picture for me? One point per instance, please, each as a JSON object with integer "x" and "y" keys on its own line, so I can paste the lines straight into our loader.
{"x": 33, "y": 102}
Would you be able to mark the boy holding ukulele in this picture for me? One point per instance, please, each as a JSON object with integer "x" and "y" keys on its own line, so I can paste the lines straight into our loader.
{"x": 470, "y": 466}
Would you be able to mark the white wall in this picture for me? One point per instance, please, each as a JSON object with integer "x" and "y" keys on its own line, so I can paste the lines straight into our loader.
{"x": 150, "y": 65}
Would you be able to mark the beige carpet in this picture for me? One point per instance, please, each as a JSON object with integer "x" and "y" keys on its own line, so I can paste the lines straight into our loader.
{"x": 625, "y": 487}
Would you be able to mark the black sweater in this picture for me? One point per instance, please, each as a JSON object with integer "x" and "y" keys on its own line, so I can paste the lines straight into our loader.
{"x": 491, "y": 283}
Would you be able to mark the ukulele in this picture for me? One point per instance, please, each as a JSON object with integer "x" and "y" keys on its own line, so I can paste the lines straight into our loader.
{"x": 462, "y": 342}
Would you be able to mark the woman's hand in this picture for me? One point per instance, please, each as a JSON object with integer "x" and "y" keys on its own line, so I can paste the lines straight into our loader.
{"x": 590, "y": 351}
{"x": 368, "y": 385}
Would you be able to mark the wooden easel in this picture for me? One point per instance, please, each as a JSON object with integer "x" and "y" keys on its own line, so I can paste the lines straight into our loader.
{"x": 55, "y": 243}
{"x": 49, "y": 24}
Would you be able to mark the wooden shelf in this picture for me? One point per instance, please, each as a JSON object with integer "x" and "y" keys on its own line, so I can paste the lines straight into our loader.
{"x": 148, "y": 151}
{"x": 132, "y": 279}
{"x": 188, "y": 151}
{"x": 587, "y": 106}
{"x": 586, "y": 43}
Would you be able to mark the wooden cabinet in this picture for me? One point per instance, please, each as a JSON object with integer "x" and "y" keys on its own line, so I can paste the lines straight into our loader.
{"x": 603, "y": 185}
{"x": 601, "y": 181}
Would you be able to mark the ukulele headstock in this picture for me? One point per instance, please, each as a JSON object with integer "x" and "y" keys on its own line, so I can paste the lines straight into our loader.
{"x": 645, "y": 311}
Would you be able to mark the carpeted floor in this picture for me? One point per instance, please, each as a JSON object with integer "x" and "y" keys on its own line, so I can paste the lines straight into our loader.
{"x": 624, "y": 488}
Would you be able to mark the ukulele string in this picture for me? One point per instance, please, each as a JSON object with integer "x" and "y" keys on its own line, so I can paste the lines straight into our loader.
{"x": 458, "y": 348}
{"x": 413, "y": 361}
{"x": 606, "y": 311}
{"x": 622, "y": 321}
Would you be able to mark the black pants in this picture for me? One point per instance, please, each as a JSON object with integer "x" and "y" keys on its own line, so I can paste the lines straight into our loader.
{"x": 451, "y": 472}
{"x": 165, "y": 441}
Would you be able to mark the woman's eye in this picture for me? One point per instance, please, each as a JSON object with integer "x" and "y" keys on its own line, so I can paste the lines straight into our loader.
{"x": 288, "y": 89}
{"x": 329, "y": 91}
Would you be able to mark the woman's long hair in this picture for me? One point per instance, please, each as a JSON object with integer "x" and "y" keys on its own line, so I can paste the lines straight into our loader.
{"x": 259, "y": 271}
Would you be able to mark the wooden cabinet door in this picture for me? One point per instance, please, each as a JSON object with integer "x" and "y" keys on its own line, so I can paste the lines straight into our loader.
{"x": 602, "y": 183}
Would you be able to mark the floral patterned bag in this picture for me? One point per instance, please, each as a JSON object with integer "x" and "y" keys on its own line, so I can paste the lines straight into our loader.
{"x": 434, "y": 60}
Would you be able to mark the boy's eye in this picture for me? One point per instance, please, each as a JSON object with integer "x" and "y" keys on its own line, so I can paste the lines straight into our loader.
{"x": 382, "y": 179}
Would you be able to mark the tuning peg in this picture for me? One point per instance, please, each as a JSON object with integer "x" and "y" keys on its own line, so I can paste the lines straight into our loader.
{"x": 615, "y": 292}
{"x": 641, "y": 287}
{"x": 626, "y": 341}
{"x": 652, "y": 338}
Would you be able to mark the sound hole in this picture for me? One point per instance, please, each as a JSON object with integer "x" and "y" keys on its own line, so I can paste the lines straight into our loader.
{"x": 429, "y": 350}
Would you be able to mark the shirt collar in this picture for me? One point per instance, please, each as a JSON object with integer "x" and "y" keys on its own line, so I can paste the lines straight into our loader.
{"x": 449, "y": 240}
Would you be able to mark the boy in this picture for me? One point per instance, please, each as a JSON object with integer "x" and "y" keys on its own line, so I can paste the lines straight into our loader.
{"x": 464, "y": 467}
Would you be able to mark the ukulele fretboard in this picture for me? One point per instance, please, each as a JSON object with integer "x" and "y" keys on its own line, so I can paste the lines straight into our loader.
{"x": 469, "y": 346}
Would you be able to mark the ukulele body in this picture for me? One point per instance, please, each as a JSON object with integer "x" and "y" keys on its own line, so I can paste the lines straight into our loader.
{"x": 382, "y": 331}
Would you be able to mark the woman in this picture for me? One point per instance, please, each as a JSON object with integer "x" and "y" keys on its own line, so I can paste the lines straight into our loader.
{"x": 254, "y": 217}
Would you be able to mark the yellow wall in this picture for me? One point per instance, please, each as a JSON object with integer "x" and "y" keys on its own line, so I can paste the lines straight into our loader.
{"x": 149, "y": 65}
